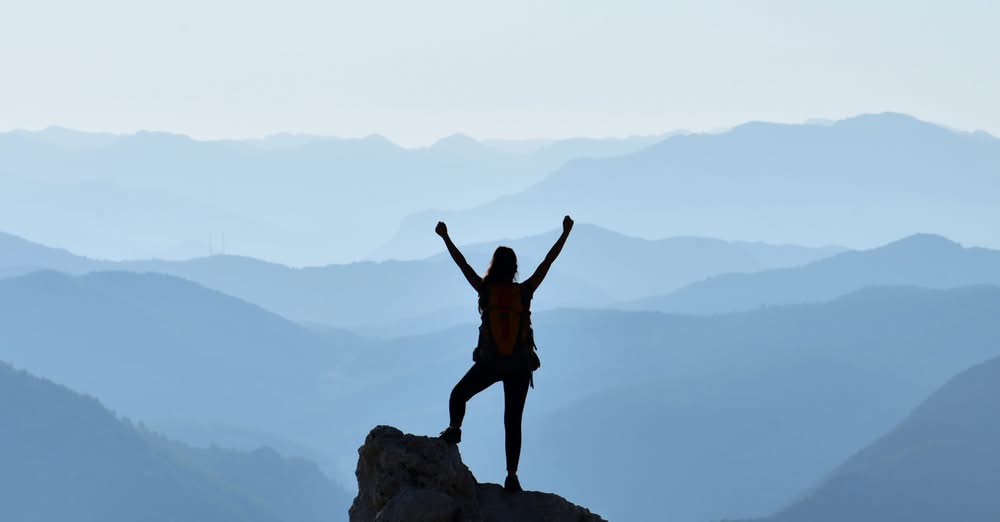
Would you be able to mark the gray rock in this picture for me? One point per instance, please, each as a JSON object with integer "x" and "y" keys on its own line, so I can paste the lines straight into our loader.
{"x": 498, "y": 505}
{"x": 403, "y": 477}
{"x": 391, "y": 462}
{"x": 419, "y": 505}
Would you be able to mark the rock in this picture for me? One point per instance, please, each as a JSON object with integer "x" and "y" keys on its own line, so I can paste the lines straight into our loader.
{"x": 498, "y": 505}
{"x": 419, "y": 505}
{"x": 393, "y": 464}
{"x": 403, "y": 477}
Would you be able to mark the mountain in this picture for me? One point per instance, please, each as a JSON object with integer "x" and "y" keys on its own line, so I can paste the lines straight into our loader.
{"x": 64, "y": 138}
{"x": 403, "y": 477}
{"x": 857, "y": 182}
{"x": 658, "y": 417}
{"x": 940, "y": 463}
{"x": 169, "y": 351}
{"x": 624, "y": 267}
{"x": 18, "y": 255}
{"x": 391, "y": 298}
{"x": 298, "y": 200}
{"x": 116, "y": 219}
{"x": 921, "y": 260}
{"x": 65, "y": 457}
{"x": 358, "y": 296}
{"x": 733, "y": 404}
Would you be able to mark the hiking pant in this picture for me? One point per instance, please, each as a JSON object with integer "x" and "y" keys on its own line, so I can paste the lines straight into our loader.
{"x": 515, "y": 391}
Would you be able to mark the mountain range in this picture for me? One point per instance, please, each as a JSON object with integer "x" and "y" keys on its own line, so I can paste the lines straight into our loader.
{"x": 683, "y": 379}
{"x": 726, "y": 400}
{"x": 599, "y": 267}
{"x": 922, "y": 260}
{"x": 171, "y": 352}
{"x": 292, "y": 199}
{"x": 66, "y": 457}
{"x": 307, "y": 200}
{"x": 857, "y": 182}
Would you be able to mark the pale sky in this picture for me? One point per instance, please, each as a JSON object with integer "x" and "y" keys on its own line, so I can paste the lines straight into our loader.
{"x": 415, "y": 71}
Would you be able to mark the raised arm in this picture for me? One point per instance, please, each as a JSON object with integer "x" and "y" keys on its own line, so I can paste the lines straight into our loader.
{"x": 467, "y": 271}
{"x": 543, "y": 269}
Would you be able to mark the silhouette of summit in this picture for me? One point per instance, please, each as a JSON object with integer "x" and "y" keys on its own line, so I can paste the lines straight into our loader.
{"x": 410, "y": 478}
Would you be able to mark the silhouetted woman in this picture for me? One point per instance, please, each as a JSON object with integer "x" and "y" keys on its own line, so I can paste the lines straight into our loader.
{"x": 506, "y": 348}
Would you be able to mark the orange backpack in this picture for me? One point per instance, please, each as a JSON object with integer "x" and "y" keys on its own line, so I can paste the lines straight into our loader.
{"x": 505, "y": 334}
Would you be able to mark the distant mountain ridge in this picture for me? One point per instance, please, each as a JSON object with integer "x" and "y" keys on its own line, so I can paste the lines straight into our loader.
{"x": 293, "y": 199}
{"x": 20, "y": 255}
{"x": 623, "y": 266}
{"x": 858, "y": 182}
{"x": 920, "y": 260}
{"x": 598, "y": 268}
{"x": 75, "y": 138}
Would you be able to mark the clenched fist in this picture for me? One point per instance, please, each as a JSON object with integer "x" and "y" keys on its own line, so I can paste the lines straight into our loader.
{"x": 567, "y": 224}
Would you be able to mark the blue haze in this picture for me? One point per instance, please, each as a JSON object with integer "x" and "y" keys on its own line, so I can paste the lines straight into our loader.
{"x": 67, "y": 458}
{"x": 733, "y": 370}
{"x": 858, "y": 182}
{"x": 316, "y": 201}
{"x": 249, "y": 376}
{"x": 937, "y": 464}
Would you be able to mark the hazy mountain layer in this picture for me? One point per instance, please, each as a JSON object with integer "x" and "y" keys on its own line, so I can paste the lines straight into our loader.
{"x": 859, "y": 182}
{"x": 921, "y": 260}
{"x": 293, "y": 199}
{"x": 723, "y": 400}
{"x": 65, "y": 457}
{"x": 399, "y": 297}
{"x": 165, "y": 350}
{"x": 941, "y": 463}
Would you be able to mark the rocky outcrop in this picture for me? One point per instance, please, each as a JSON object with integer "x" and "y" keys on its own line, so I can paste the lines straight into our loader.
{"x": 410, "y": 478}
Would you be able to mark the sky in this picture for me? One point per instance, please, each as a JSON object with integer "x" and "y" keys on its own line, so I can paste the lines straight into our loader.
{"x": 415, "y": 71}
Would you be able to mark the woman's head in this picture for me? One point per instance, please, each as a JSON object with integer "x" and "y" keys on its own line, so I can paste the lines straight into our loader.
{"x": 503, "y": 266}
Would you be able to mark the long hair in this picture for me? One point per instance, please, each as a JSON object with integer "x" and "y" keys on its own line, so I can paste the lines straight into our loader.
{"x": 503, "y": 269}
{"x": 503, "y": 266}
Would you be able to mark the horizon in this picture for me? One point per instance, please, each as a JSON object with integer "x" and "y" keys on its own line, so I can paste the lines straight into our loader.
{"x": 210, "y": 203}
{"x": 911, "y": 237}
{"x": 492, "y": 141}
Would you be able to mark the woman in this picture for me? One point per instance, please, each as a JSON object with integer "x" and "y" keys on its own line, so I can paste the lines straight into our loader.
{"x": 506, "y": 348}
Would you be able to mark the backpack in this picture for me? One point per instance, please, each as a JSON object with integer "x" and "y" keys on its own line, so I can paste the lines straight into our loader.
{"x": 505, "y": 336}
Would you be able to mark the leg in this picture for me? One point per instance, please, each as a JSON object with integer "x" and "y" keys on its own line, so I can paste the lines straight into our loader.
{"x": 515, "y": 392}
{"x": 477, "y": 379}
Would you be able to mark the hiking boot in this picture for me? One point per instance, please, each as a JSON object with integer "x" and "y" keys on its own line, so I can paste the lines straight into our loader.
{"x": 512, "y": 484}
{"x": 451, "y": 435}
